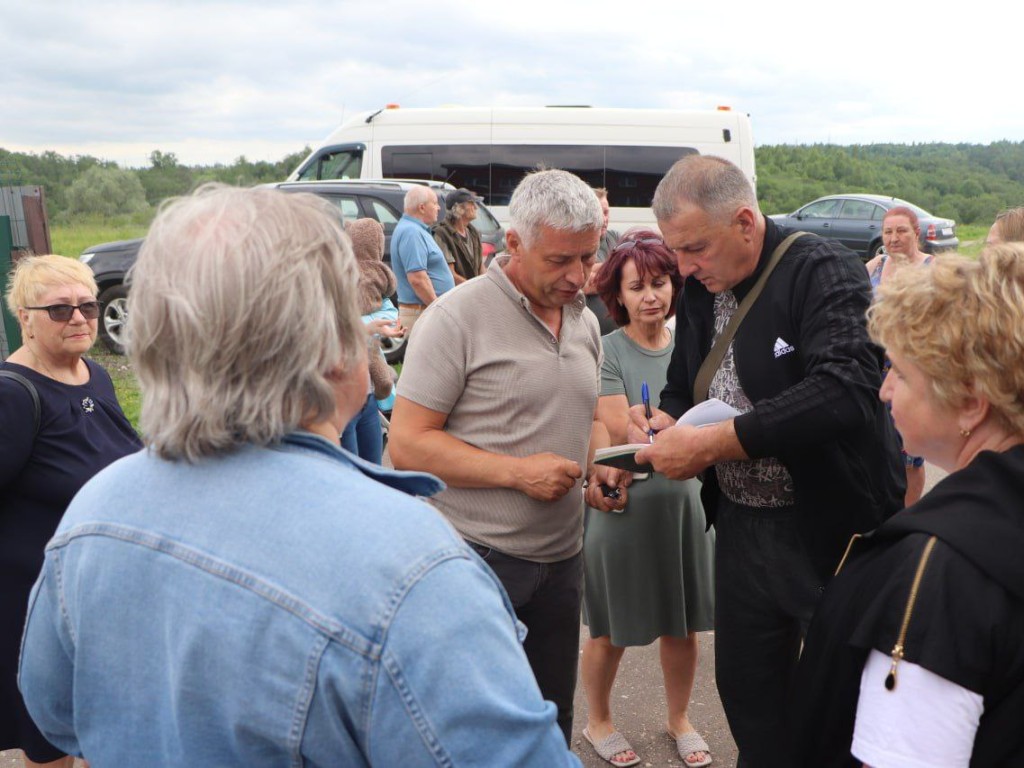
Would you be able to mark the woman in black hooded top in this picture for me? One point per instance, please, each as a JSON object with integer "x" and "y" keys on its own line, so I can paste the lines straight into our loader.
{"x": 915, "y": 656}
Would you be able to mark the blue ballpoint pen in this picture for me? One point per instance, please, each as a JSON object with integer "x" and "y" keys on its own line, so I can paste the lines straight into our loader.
{"x": 645, "y": 394}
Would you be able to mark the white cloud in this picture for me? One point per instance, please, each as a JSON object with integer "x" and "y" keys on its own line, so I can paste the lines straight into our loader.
{"x": 211, "y": 81}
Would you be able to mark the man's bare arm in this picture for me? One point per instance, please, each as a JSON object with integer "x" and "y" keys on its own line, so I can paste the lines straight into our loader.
{"x": 420, "y": 283}
{"x": 418, "y": 441}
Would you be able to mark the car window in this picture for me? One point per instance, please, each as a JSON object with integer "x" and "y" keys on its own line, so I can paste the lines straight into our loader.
{"x": 383, "y": 213}
{"x": 485, "y": 222}
{"x": 860, "y": 209}
{"x": 820, "y": 209}
{"x": 348, "y": 206}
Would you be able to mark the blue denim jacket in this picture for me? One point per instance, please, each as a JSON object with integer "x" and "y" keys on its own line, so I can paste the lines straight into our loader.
{"x": 285, "y": 606}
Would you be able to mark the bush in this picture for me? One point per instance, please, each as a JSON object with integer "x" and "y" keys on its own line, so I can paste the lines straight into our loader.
{"x": 107, "y": 191}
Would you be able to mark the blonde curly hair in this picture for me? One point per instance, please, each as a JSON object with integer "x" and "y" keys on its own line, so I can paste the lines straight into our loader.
{"x": 962, "y": 323}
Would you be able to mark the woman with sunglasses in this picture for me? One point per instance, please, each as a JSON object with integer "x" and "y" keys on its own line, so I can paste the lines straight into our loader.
{"x": 51, "y": 443}
{"x": 648, "y": 571}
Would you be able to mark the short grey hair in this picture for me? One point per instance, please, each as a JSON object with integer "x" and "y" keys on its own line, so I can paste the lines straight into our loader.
{"x": 713, "y": 184}
{"x": 417, "y": 196}
{"x": 242, "y": 302}
{"x": 556, "y": 199}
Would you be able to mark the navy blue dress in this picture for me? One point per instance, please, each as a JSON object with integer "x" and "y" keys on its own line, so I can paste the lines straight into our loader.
{"x": 81, "y": 430}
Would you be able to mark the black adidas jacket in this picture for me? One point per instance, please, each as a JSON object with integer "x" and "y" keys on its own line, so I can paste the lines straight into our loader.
{"x": 804, "y": 359}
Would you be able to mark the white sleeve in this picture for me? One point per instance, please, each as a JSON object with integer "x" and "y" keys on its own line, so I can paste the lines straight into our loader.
{"x": 926, "y": 721}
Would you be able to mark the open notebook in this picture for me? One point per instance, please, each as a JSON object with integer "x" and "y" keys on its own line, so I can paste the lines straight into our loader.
{"x": 703, "y": 414}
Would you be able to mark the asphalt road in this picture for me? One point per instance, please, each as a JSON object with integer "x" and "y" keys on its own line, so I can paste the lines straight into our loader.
{"x": 638, "y": 708}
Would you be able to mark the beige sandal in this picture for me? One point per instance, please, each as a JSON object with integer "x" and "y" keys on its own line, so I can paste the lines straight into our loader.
{"x": 612, "y": 745}
{"x": 690, "y": 743}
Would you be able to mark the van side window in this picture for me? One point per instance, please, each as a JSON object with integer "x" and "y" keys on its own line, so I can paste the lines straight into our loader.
{"x": 340, "y": 164}
{"x": 464, "y": 165}
{"x": 510, "y": 163}
{"x": 630, "y": 173}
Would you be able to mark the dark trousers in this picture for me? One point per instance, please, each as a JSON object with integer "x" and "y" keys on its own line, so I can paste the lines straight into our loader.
{"x": 766, "y": 590}
{"x": 547, "y": 598}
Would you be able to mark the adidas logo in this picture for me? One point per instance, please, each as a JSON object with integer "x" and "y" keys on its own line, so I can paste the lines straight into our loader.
{"x": 782, "y": 347}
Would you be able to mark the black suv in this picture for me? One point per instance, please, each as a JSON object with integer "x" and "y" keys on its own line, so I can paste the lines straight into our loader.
{"x": 380, "y": 200}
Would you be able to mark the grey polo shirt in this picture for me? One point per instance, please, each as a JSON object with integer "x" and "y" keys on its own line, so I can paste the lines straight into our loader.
{"x": 509, "y": 386}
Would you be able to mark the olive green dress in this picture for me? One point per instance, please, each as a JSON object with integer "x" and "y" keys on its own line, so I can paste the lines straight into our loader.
{"x": 649, "y": 570}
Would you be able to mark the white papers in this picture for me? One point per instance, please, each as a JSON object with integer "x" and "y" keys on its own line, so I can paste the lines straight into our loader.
{"x": 709, "y": 412}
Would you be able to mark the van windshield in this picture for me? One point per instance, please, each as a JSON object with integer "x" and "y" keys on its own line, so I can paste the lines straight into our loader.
{"x": 341, "y": 163}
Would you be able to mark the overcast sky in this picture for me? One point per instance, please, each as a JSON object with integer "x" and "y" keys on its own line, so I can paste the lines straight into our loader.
{"x": 210, "y": 81}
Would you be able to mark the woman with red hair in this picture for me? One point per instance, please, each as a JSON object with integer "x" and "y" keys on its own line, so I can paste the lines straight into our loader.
{"x": 649, "y": 570}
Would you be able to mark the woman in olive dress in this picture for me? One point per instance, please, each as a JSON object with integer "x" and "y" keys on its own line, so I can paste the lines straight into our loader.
{"x": 648, "y": 570}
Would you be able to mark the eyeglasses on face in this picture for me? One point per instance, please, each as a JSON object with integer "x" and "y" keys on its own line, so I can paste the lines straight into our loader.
{"x": 633, "y": 243}
{"x": 61, "y": 313}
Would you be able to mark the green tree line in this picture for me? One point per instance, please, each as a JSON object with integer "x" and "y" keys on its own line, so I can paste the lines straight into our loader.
{"x": 85, "y": 185}
{"x": 969, "y": 183}
{"x": 966, "y": 182}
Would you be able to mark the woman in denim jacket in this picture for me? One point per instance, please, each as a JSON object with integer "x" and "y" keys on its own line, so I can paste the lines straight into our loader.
{"x": 244, "y": 592}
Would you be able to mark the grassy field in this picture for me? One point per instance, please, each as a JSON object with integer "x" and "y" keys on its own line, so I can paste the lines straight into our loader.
{"x": 125, "y": 385}
{"x": 72, "y": 239}
{"x": 972, "y": 238}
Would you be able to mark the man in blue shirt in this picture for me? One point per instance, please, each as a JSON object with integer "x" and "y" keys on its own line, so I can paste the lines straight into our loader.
{"x": 418, "y": 262}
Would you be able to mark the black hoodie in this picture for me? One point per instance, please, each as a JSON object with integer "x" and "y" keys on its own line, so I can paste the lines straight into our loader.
{"x": 966, "y": 624}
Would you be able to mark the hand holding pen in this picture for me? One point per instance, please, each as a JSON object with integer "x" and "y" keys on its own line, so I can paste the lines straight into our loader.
{"x": 645, "y": 394}
{"x": 645, "y": 421}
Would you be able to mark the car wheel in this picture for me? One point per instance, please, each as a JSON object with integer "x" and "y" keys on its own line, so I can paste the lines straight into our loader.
{"x": 114, "y": 318}
{"x": 393, "y": 349}
{"x": 875, "y": 249}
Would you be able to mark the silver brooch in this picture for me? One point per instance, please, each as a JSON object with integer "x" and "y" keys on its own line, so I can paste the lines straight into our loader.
{"x": 88, "y": 405}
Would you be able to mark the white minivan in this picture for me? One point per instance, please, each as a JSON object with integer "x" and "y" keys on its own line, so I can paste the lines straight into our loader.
{"x": 488, "y": 150}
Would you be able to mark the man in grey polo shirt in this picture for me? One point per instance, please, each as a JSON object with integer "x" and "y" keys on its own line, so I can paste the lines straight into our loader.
{"x": 498, "y": 398}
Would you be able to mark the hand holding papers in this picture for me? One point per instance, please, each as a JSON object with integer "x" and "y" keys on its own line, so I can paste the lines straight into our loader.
{"x": 709, "y": 412}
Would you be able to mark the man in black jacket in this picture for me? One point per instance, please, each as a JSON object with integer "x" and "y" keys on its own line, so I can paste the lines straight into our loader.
{"x": 812, "y": 459}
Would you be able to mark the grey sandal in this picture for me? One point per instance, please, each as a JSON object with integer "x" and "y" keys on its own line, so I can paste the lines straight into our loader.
{"x": 611, "y": 746}
{"x": 690, "y": 743}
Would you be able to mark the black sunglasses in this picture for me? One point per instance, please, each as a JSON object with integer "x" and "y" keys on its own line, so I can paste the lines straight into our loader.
{"x": 633, "y": 243}
{"x": 61, "y": 313}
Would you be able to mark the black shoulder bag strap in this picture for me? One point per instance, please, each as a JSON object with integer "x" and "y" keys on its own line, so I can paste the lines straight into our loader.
{"x": 28, "y": 385}
{"x": 713, "y": 361}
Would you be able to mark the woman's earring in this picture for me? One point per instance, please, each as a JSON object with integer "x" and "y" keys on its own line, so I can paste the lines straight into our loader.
{"x": 965, "y": 433}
